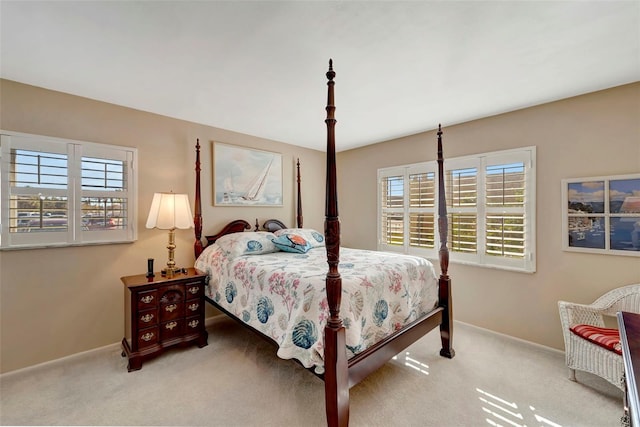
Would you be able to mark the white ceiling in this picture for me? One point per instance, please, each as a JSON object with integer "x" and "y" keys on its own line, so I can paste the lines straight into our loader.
{"x": 259, "y": 67}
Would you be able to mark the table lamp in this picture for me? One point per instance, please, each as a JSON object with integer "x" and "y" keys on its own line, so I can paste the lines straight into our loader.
{"x": 168, "y": 212}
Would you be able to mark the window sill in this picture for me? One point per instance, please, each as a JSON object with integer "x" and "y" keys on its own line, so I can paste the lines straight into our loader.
{"x": 63, "y": 245}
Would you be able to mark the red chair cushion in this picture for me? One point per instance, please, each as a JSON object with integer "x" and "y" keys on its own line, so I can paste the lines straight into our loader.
{"x": 604, "y": 337}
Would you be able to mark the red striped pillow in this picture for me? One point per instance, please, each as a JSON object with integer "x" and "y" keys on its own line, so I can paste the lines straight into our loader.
{"x": 604, "y": 337}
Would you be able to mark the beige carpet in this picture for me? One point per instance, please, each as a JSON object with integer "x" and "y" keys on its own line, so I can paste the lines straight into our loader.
{"x": 238, "y": 381}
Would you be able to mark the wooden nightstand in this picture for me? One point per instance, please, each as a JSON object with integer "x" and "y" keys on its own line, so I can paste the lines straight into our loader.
{"x": 161, "y": 313}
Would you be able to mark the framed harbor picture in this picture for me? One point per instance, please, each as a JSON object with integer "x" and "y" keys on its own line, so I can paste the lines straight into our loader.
{"x": 246, "y": 177}
{"x": 602, "y": 215}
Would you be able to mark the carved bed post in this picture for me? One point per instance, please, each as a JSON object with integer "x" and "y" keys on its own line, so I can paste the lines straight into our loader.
{"x": 299, "y": 217}
{"x": 197, "y": 215}
{"x": 446, "y": 327}
{"x": 336, "y": 376}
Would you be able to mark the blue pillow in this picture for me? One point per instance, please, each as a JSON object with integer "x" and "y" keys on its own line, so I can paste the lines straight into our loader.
{"x": 314, "y": 238}
{"x": 292, "y": 243}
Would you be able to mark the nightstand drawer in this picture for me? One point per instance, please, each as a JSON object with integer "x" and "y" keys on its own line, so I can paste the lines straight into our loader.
{"x": 171, "y": 311}
{"x": 194, "y": 324}
{"x": 194, "y": 289}
{"x": 194, "y": 307}
{"x": 147, "y": 318}
{"x": 147, "y": 337}
{"x": 147, "y": 299}
{"x": 171, "y": 329}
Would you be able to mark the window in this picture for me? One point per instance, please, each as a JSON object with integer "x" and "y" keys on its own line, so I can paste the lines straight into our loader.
{"x": 490, "y": 206}
{"x": 407, "y": 217}
{"x": 57, "y": 192}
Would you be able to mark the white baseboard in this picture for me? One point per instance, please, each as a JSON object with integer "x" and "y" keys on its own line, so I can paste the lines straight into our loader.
{"x": 108, "y": 347}
{"x": 214, "y": 319}
{"x": 542, "y": 346}
{"x": 208, "y": 321}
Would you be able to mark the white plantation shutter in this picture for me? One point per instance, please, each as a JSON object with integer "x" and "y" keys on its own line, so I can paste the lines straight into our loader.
{"x": 422, "y": 192}
{"x": 463, "y": 236}
{"x": 407, "y": 203}
{"x": 106, "y": 191}
{"x": 392, "y": 210}
{"x": 505, "y": 201}
{"x": 509, "y": 231}
{"x": 490, "y": 206}
{"x": 62, "y": 192}
{"x": 422, "y": 230}
{"x": 35, "y": 192}
{"x": 39, "y": 180}
{"x": 461, "y": 187}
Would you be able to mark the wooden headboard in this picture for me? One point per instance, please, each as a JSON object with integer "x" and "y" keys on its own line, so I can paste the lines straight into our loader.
{"x": 274, "y": 225}
{"x": 237, "y": 226}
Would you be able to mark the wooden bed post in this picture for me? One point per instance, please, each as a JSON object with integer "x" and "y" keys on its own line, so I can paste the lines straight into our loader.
{"x": 340, "y": 372}
{"x": 446, "y": 327}
{"x": 299, "y": 217}
{"x": 197, "y": 216}
{"x": 336, "y": 376}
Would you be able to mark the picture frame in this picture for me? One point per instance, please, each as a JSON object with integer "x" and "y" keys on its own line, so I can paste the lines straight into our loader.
{"x": 246, "y": 176}
{"x": 602, "y": 215}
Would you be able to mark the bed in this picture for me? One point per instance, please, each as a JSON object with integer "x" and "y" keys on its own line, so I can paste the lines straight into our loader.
{"x": 342, "y": 322}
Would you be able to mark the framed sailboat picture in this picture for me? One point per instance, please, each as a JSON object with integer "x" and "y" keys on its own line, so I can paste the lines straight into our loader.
{"x": 246, "y": 177}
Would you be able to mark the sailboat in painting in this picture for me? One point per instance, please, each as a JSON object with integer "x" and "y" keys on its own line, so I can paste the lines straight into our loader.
{"x": 229, "y": 194}
{"x": 255, "y": 190}
{"x": 246, "y": 177}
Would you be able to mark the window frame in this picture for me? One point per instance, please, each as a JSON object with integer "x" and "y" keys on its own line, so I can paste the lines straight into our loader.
{"x": 77, "y": 233}
{"x": 526, "y": 156}
{"x": 407, "y": 210}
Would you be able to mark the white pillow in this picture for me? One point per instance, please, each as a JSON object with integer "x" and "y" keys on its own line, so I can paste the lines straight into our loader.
{"x": 247, "y": 243}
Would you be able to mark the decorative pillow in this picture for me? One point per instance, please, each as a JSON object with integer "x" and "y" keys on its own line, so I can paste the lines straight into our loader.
{"x": 249, "y": 243}
{"x": 292, "y": 243}
{"x": 314, "y": 238}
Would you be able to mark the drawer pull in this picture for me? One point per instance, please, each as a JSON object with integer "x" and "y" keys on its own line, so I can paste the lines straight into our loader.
{"x": 171, "y": 307}
{"x": 194, "y": 290}
{"x": 148, "y": 336}
{"x": 171, "y": 325}
{"x": 147, "y": 318}
{"x": 147, "y": 299}
{"x": 194, "y": 323}
{"x": 194, "y": 306}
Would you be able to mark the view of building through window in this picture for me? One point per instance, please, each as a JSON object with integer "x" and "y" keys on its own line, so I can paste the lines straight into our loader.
{"x": 49, "y": 212}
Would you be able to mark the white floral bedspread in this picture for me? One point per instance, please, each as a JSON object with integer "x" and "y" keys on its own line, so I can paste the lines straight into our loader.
{"x": 283, "y": 296}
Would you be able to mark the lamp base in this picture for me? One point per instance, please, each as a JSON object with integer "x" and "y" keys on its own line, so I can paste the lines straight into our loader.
{"x": 171, "y": 264}
{"x": 170, "y": 272}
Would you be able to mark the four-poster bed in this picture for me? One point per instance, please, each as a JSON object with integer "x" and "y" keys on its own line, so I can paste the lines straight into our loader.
{"x": 360, "y": 325}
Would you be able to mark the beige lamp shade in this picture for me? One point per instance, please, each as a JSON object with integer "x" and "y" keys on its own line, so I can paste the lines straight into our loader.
{"x": 170, "y": 211}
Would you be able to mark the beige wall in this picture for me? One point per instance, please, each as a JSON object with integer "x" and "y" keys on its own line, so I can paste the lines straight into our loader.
{"x": 592, "y": 135}
{"x": 57, "y": 302}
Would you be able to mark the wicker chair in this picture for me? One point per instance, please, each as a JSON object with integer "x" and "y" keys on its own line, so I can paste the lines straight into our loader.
{"x": 585, "y": 355}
